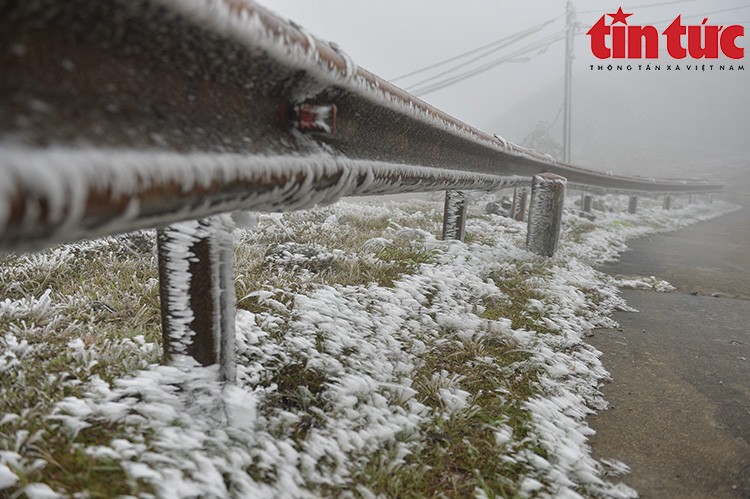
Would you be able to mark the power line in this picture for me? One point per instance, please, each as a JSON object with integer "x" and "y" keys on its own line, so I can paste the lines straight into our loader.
{"x": 516, "y": 38}
{"x": 643, "y": 6}
{"x": 557, "y": 117}
{"x": 504, "y": 41}
{"x": 540, "y": 45}
{"x": 705, "y": 14}
{"x": 570, "y": 31}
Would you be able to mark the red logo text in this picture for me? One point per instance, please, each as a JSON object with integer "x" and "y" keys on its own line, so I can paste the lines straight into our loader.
{"x": 619, "y": 40}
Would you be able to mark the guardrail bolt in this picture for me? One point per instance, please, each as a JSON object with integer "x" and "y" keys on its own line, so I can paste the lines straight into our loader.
{"x": 633, "y": 204}
{"x": 545, "y": 213}
{"x": 454, "y": 218}
{"x": 308, "y": 117}
{"x": 196, "y": 285}
{"x": 667, "y": 202}
{"x": 519, "y": 205}
{"x": 586, "y": 201}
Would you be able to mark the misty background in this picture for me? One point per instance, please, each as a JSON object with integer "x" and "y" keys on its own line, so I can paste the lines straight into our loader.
{"x": 652, "y": 123}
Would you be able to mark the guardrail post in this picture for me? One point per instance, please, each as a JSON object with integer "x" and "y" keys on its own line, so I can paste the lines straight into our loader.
{"x": 196, "y": 285}
{"x": 633, "y": 204}
{"x": 520, "y": 205}
{"x": 691, "y": 199}
{"x": 710, "y": 198}
{"x": 586, "y": 201}
{"x": 454, "y": 218}
{"x": 545, "y": 213}
{"x": 667, "y": 202}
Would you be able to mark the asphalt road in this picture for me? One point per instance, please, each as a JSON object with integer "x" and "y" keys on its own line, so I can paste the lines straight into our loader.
{"x": 680, "y": 396}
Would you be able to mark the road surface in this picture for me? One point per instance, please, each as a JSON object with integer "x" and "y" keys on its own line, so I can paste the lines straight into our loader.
{"x": 680, "y": 396}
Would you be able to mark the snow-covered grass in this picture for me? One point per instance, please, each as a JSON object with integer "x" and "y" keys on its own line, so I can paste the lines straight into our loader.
{"x": 373, "y": 359}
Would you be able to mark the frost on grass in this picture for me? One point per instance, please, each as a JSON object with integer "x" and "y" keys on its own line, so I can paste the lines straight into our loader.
{"x": 372, "y": 358}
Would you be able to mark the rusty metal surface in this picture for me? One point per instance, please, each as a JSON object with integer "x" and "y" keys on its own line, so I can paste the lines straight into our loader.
{"x": 148, "y": 76}
{"x": 202, "y": 346}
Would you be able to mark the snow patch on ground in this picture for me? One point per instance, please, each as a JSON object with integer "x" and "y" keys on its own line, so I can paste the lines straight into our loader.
{"x": 351, "y": 353}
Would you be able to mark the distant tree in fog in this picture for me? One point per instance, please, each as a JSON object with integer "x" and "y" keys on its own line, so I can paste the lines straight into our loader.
{"x": 540, "y": 140}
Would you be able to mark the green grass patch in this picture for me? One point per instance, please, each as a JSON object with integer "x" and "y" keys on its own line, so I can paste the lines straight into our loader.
{"x": 518, "y": 288}
{"x": 578, "y": 232}
{"x": 104, "y": 295}
{"x": 460, "y": 454}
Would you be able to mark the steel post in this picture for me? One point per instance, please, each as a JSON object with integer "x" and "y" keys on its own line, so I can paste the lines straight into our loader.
{"x": 454, "y": 219}
{"x": 520, "y": 214}
{"x": 586, "y": 203}
{"x": 633, "y": 204}
{"x": 197, "y": 294}
{"x": 545, "y": 213}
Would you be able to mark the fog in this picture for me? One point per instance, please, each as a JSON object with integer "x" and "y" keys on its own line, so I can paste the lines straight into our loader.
{"x": 660, "y": 123}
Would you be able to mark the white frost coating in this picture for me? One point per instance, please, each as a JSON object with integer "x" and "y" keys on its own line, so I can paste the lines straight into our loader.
{"x": 455, "y": 214}
{"x": 351, "y": 66}
{"x": 177, "y": 241}
{"x": 323, "y": 118}
{"x": 638, "y": 282}
{"x": 7, "y": 477}
{"x": 249, "y": 29}
{"x": 40, "y": 491}
{"x": 190, "y": 436}
{"x": 222, "y": 254}
{"x": 62, "y": 177}
{"x": 545, "y": 213}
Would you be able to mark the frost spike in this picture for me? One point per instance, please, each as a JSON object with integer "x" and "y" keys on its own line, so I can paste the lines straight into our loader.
{"x": 545, "y": 213}
{"x": 308, "y": 117}
{"x": 196, "y": 286}
{"x": 454, "y": 218}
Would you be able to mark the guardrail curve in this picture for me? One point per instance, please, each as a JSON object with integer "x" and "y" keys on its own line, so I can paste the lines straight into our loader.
{"x": 118, "y": 115}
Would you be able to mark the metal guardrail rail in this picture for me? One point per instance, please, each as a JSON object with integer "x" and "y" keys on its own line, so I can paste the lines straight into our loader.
{"x": 118, "y": 115}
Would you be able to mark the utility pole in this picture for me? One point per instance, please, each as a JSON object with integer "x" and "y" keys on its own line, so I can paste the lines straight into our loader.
{"x": 570, "y": 28}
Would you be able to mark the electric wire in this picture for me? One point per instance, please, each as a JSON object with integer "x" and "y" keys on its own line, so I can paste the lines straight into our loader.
{"x": 505, "y": 41}
{"x": 516, "y": 38}
{"x": 705, "y": 14}
{"x": 424, "y": 87}
{"x": 642, "y": 6}
{"x": 539, "y": 46}
{"x": 557, "y": 117}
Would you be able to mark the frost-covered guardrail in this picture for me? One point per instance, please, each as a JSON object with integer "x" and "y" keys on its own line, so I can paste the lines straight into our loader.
{"x": 118, "y": 115}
